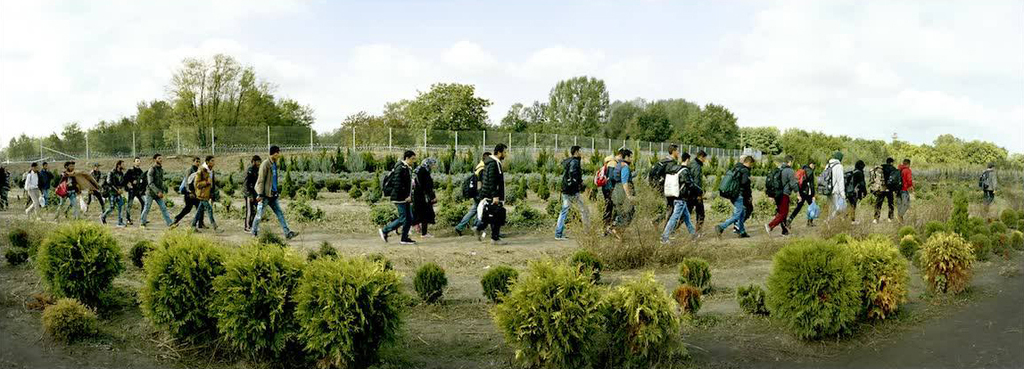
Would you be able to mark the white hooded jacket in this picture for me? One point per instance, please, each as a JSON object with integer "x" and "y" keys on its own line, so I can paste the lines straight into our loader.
{"x": 838, "y": 178}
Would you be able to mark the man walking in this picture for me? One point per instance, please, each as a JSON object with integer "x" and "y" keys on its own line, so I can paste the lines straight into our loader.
{"x": 188, "y": 197}
{"x": 97, "y": 176}
{"x": 833, "y": 184}
{"x": 398, "y": 186}
{"x": 856, "y": 188}
{"x": 135, "y": 187}
{"x": 609, "y": 206}
{"x": 787, "y": 185}
{"x": 696, "y": 202}
{"x": 622, "y": 192}
{"x": 572, "y": 186}
{"x": 657, "y": 178}
{"x": 885, "y": 182}
{"x": 70, "y": 192}
{"x": 32, "y": 188}
{"x": 155, "y": 191}
{"x": 806, "y": 190}
{"x": 114, "y": 188}
{"x": 45, "y": 182}
{"x": 908, "y": 185}
{"x": 250, "y": 192}
{"x": 738, "y": 190}
{"x": 492, "y": 196}
{"x": 203, "y": 193}
{"x": 988, "y": 183}
{"x": 471, "y": 190}
{"x": 267, "y": 192}
{"x": 679, "y": 186}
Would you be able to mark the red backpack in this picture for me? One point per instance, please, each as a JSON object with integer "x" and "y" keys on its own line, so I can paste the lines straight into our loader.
{"x": 62, "y": 189}
{"x": 601, "y": 177}
{"x": 800, "y": 174}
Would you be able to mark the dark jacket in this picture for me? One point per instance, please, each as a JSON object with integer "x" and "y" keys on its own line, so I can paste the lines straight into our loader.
{"x": 250, "y": 181}
{"x": 113, "y": 183}
{"x": 493, "y": 180}
{"x": 789, "y": 184}
{"x": 423, "y": 197}
{"x": 697, "y": 173}
{"x": 887, "y": 171}
{"x": 98, "y": 176}
{"x": 686, "y": 181}
{"x": 45, "y": 177}
{"x": 155, "y": 178}
{"x": 401, "y": 186}
{"x": 860, "y": 187}
{"x": 137, "y": 178}
{"x": 744, "y": 177}
{"x": 70, "y": 179}
{"x": 572, "y": 176}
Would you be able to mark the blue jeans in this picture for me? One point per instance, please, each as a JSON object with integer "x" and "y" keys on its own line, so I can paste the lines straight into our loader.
{"x": 276, "y": 207}
{"x": 46, "y": 196}
{"x": 72, "y": 201}
{"x": 469, "y": 217}
{"x": 738, "y": 213}
{"x": 405, "y": 220}
{"x": 149, "y": 206}
{"x": 567, "y": 201}
{"x": 204, "y": 207}
{"x": 679, "y": 210}
{"x": 117, "y": 201}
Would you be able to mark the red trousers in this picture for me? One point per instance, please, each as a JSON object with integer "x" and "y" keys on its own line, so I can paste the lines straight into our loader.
{"x": 781, "y": 210}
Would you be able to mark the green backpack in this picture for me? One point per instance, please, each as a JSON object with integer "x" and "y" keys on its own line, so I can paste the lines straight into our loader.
{"x": 730, "y": 186}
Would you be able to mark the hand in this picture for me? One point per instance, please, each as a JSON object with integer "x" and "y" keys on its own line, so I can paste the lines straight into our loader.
{"x": 160, "y": 195}
{"x": 259, "y": 198}
{"x": 496, "y": 200}
{"x": 408, "y": 199}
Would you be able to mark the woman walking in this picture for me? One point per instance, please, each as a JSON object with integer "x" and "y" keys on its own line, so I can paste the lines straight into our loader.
{"x": 423, "y": 197}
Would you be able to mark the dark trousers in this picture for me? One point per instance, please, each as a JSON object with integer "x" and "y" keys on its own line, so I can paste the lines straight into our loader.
{"x": 128, "y": 204}
{"x": 853, "y": 200}
{"x": 748, "y": 206}
{"x": 190, "y": 202}
{"x": 879, "y": 198}
{"x": 495, "y": 229}
{"x": 98, "y": 195}
{"x": 404, "y": 220}
{"x": 804, "y": 199}
{"x": 670, "y": 204}
{"x": 250, "y": 212}
{"x": 609, "y": 208}
{"x": 696, "y": 205}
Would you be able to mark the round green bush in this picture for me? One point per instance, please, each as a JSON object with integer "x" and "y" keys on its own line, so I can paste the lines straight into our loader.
{"x": 525, "y": 216}
{"x": 382, "y": 260}
{"x": 981, "y": 245}
{"x": 355, "y": 193}
{"x": 551, "y": 317}
{"x": 997, "y": 227}
{"x": 751, "y": 299}
{"x": 253, "y": 300}
{"x": 16, "y": 255}
{"x": 1001, "y": 245}
{"x": 688, "y": 297}
{"x": 814, "y": 288}
{"x": 69, "y": 320}
{"x": 430, "y": 282}
{"x": 1017, "y": 240}
{"x": 178, "y": 290}
{"x": 80, "y": 260}
{"x": 382, "y": 214}
{"x": 905, "y": 231}
{"x": 695, "y": 272}
{"x": 642, "y": 324}
{"x": 1009, "y": 217}
{"x": 139, "y": 251}
{"x": 883, "y": 275}
{"x": 909, "y": 246}
{"x": 587, "y": 264}
{"x": 347, "y": 309}
{"x": 933, "y": 227}
{"x": 977, "y": 226}
{"x": 498, "y": 281}
{"x": 325, "y": 251}
{"x": 958, "y": 218}
{"x": 947, "y": 261}
{"x": 20, "y": 238}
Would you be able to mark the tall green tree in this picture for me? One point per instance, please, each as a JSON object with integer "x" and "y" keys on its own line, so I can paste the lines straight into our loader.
{"x": 448, "y": 106}
{"x": 715, "y": 126}
{"x": 652, "y": 124}
{"x": 766, "y": 139}
{"x": 578, "y": 105}
{"x": 521, "y": 118}
{"x": 621, "y": 117}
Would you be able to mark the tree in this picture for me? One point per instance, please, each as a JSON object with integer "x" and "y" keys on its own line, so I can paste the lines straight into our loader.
{"x": 621, "y": 116}
{"x": 447, "y": 106}
{"x": 680, "y": 112}
{"x": 652, "y": 125}
{"x": 765, "y": 139}
{"x": 715, "y": 126}
{"x": 72, "y": 139}
{"x": 578, "y": 105}
{"x": 526, "y": 118}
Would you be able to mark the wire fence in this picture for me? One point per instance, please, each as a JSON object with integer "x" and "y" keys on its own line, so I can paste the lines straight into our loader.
{"x": 237, "y": 139}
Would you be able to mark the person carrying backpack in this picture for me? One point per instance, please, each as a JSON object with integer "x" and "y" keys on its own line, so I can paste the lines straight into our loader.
{"x": 907, "y": 177}
{"x": 885, "y": 182}
{"x": 249, "y": 187}
{"x": 398, "y": 186}
{"x": 696, "y": 203}
{"x": 987, "y": 182}
{"x": 856, "y": 188}
{"x": 622, "y": 193}
{"x": 786, "y": 186}
{"x": 155, "y": 191}
{"x": 492, "y": 196}
{"x": 833, "y": 184}
{"x": 267, "y": 193}
{"x": 67, "y": 190}
{"x": 606, "y": 170}
{"x": 656, "y": 177}
{"x": 679, "y": 186}
{"x": 471, "y": 190}
{"x": 113, "y": 187}
{"x": 188, "y": 195}
{"x": 805, "y": 190}
{"x": 572, "y": 187}
{"x": 735, "y": 186}
{"x": 203, "y": 191}
{"x": 135, "y": 187}
{"x": 97, "y": 176}
{"x": 424, "y": 197}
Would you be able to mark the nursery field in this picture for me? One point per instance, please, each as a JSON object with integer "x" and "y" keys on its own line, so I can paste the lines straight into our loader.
{"x": 969, "y": 320}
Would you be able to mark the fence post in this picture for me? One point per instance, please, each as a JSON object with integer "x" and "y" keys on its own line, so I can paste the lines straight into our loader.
{"x": 177, "y": 133}
{"x": 133, "y": 144}
{"x": 483, "y": 144}
{"x": 268, "y": 137}
{"x": 40, "y": 148}
{"x": 353, "y": 138}
{"x": 609, "y": 144}
{"x": 592, "y": 147}
{"x": 424, "y": 142}
{"x": 390, "y": 143}
{"x": 510, "y": 140}
{"x": 574, "y": 140}
{"x": 534, "y": 141}
{"x": 86, "y": 145}
{"x": 213, "y": 142}
{"x": 556, "y": 142}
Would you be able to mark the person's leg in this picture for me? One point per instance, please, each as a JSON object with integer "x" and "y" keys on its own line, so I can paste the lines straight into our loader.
{"x": 582, "y": 207}
{"x": 197, "y": 216}
{"x": 120, "y": 209}
{"x": 189, "y": 202}
{"x": 163, "y": 211}
{"x": 147, "y": 206}
{"x": 889, "y": 197}
{"x": 275, "y": 205}
{"x": 853, "y": 209}
{"x": 470, "y": 216}
{"x": 407, "y": 220}
{"x": 74, "y": 204}
{"x": 686, "y": 217}
{"x": 562, "y": 214}
{"x": 904, "y": 203}
{"x": 673, "y": 219}
{"x": 391, "y": 227}
{"x": 259, "y": 214}
{"x": 106, "y": 211}
{"x": 670, "y": 204}
{"x": 207, "y": 207}
{"x": 698, "y": 207}
{"x": 609, "y": 208}
{"x": 743, "y": 215}
{"x": 781, "y": 210}
{"x": 34, "y": 207}
{"x": 247, "y": 222}
{"x": 796, "y": 210}
{"x": 737, "y": 214}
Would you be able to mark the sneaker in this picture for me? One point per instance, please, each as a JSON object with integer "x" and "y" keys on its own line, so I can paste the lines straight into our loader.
{"x": 875, "y": 221}
{"x": 291, "y": 235}
{"x": 458, "y": 232}
{"x": 130, "y": 222}
{"x": 174, "y": 225}
{"x": 718, "y": 232}
{"x": 103, "y": 221}
{"x": 561, "y": 238}
{"x": 498, "y": 242}
{"x": 889, "y": 220}
{"x": 406, "y": 242}
{"x": 767, "y": 229}
{"x": 143, "y": 225}
{"x": 383, "y": 236}
{"x": 480, "y": 235}
{"x": 428, "y": 235}
{"x": 735, "y": 229}
{"x": 744, "y": 235}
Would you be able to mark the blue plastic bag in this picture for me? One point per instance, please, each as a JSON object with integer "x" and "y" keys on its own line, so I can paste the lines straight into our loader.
{"x": 813, "y": 210}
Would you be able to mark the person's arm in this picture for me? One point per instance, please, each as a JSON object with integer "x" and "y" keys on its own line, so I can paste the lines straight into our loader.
{"x": 261, "y": 180}
{"x": 625, "y": 177}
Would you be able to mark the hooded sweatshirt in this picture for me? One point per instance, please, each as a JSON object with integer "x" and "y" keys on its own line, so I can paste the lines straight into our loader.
{"x": 838, "y": 179}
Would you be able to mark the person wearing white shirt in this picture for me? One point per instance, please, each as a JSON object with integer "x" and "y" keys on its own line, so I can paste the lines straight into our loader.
{"x": 32, "y": 187}
{"x": 838, "y": 197}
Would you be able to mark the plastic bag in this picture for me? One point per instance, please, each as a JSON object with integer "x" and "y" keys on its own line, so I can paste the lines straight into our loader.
{"x": 813, "y": 210}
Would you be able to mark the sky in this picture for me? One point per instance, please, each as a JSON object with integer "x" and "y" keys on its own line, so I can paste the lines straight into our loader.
{"x": 869, "y": 69}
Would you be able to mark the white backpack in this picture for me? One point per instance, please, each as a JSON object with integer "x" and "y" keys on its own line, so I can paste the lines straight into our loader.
{"x": 672, "y": 183}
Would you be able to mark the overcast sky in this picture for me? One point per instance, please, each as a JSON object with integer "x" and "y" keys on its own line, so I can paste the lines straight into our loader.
{"x": 862, "y": 68}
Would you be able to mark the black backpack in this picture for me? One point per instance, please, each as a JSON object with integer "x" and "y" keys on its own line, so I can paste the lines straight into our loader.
{"x": 851, "y": 188}
{"x": 773, "y": 183}
{"x": 387, "y": 184}
{"x": 895, "y": 181}
{"x": 656, "y": 177}
{"x": 469, "y": 187}
{"x": 729, "y": 188}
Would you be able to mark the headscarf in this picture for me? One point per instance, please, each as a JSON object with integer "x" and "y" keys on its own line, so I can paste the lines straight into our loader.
{"x": 837, "y": 155}
{"x": 427, "y": 163}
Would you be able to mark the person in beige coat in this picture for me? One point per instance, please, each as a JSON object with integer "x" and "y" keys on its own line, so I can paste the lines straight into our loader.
{"x": 267, "y": 192}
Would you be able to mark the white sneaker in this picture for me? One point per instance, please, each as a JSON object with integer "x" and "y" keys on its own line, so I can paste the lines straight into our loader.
{"x": 889, "y": 220}
{"x": 383, "y": 236}
{"x": 767, "y": 229}
{"x": 874, "y": 221}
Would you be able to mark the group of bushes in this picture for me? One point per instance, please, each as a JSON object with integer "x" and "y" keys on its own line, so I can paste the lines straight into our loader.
{"x": 19, "y": 248}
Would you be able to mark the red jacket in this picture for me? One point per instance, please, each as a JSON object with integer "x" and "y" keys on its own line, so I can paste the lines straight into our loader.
{"x": 908, "y": 177}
